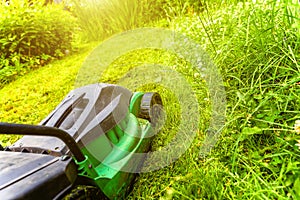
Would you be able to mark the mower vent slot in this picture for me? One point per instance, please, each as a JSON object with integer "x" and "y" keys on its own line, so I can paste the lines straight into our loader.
{"x": 69, "y": 120}
{"x": 68, "y": 111}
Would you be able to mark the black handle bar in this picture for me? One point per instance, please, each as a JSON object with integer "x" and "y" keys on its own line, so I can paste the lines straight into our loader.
{"x": 37, "y": 130}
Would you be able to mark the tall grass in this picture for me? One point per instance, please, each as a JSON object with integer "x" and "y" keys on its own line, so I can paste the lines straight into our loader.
{"x": 256, "y": 44}
{"x": 101, "y": 19}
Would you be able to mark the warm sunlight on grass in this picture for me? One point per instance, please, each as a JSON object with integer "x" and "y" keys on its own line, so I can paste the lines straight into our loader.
{"x": 255, "y": 45}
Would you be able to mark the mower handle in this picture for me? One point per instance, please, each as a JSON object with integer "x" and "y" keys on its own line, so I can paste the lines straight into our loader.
{"x": 38, "y": 130}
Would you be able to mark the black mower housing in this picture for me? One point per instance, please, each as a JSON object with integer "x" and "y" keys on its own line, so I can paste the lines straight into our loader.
{"x": 31, "y": 176}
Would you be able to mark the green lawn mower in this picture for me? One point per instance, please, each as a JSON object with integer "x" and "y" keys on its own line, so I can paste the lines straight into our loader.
{"x": 84, "y": 149}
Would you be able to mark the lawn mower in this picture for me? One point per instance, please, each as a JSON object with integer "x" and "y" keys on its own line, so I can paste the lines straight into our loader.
{"x": 80, "y": 150}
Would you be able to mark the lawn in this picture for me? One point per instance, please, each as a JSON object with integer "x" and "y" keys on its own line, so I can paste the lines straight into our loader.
{"x": 255, "y": 46}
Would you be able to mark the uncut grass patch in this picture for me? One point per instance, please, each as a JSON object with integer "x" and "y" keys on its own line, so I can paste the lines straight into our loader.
{"x": 101, "y": 19}
{"x": 256, "y": 46}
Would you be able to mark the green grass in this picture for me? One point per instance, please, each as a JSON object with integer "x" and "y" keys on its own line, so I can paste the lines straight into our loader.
{"x": 101, "y": 19}
{"x": 257, "y": 48}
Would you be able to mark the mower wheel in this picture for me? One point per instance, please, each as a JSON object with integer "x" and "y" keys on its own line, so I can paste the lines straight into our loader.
{"x": 1, "y": 148}
{"x": 151, "y": 108}
{"x": 85, "y": 193}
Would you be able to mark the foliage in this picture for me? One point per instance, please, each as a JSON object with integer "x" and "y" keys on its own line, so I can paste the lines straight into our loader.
{"x": 31, "y": 34}
{"x": 172, "y": 9}
{"x": 101, "y": 19}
